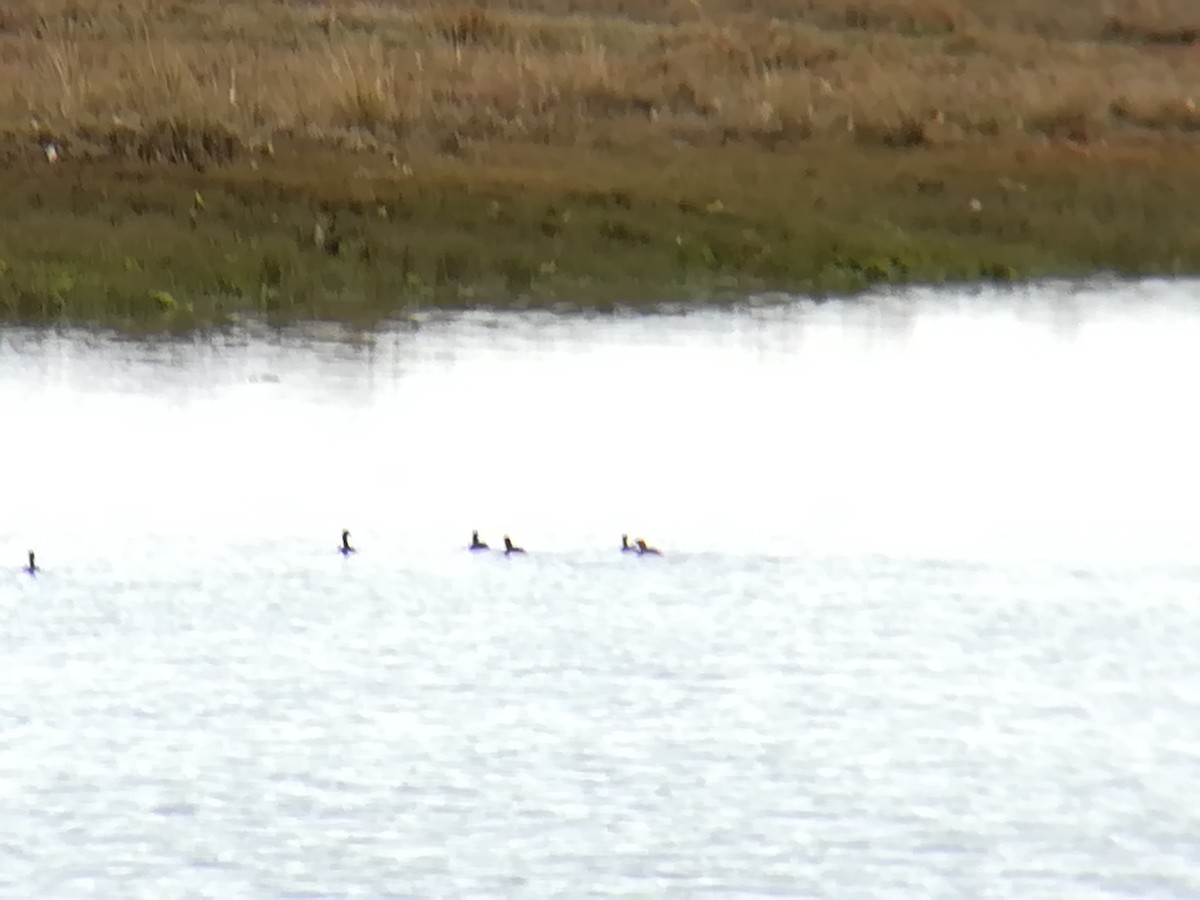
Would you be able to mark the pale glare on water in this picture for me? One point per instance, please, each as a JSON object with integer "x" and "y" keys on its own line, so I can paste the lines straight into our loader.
{"x": 926, "y": 624}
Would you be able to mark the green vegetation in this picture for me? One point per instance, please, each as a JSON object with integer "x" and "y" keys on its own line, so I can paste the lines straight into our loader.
{"x": 354, "y": 161}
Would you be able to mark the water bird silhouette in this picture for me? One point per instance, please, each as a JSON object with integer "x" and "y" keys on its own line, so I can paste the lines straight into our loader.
{"x": 626, "y": 547}
{"x": 346, "y": 549}
{"x": 509, "y": 547}
{"x": 644, "y": 550}
{"x": 476, "y": 543}
{"x": 32, "y": 568}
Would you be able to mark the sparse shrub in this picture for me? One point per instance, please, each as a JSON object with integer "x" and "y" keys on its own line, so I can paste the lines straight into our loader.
{"x": 1070, "y": 122}
{"x": 905, "y": 16}
{"x": 365, "y": 104}
{"x": 907, "y": 132}
{"x": 451, "y": 267}
{"x": 470, "y": 26}
{"x": 1126, "y": 29}
{"x": 518, "y": 274}
{"x": 623, "y": 232}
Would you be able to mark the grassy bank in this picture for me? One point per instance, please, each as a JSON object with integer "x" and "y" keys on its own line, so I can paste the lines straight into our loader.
{"x": 171, "y": 164}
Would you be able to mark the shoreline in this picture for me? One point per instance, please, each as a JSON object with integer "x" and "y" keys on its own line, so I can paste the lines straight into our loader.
{"x": 321, "y": 234}
{"x": 178, "y": 167}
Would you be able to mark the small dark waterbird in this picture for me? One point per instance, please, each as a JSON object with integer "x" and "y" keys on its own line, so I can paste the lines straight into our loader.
{"x": 345, "y": 549}
{"x": 510, "y": 547}
{"x": 627, "y": 547}
{"x": 476, "y": 543}
{"x": 644, "y": 550}
{"x": 32, "y": 568}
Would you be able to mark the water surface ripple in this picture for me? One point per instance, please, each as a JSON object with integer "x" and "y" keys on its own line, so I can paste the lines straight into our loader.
{"x": 926, "y": 625}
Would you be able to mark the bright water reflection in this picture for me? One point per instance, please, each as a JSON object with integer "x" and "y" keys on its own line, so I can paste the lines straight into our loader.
{"x": 926, "y": 625}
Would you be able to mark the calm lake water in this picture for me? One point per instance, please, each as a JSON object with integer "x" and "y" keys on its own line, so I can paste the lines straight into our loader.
{"x": 926, "y": 624}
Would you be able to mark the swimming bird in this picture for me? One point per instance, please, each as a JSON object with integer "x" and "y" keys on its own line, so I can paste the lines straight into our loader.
{"x": 625, "y": 545}
{"x": 345, "y": 549}
{"x": 509, "y": 547}
{"x": 32, "y": 568}
{"x": 644, "y": 550}
{"x": 476, "y": 543}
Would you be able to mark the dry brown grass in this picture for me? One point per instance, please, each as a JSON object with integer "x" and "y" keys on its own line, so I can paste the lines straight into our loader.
{"x": 578, "y": 151}
{"x": 598, "y": 72}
